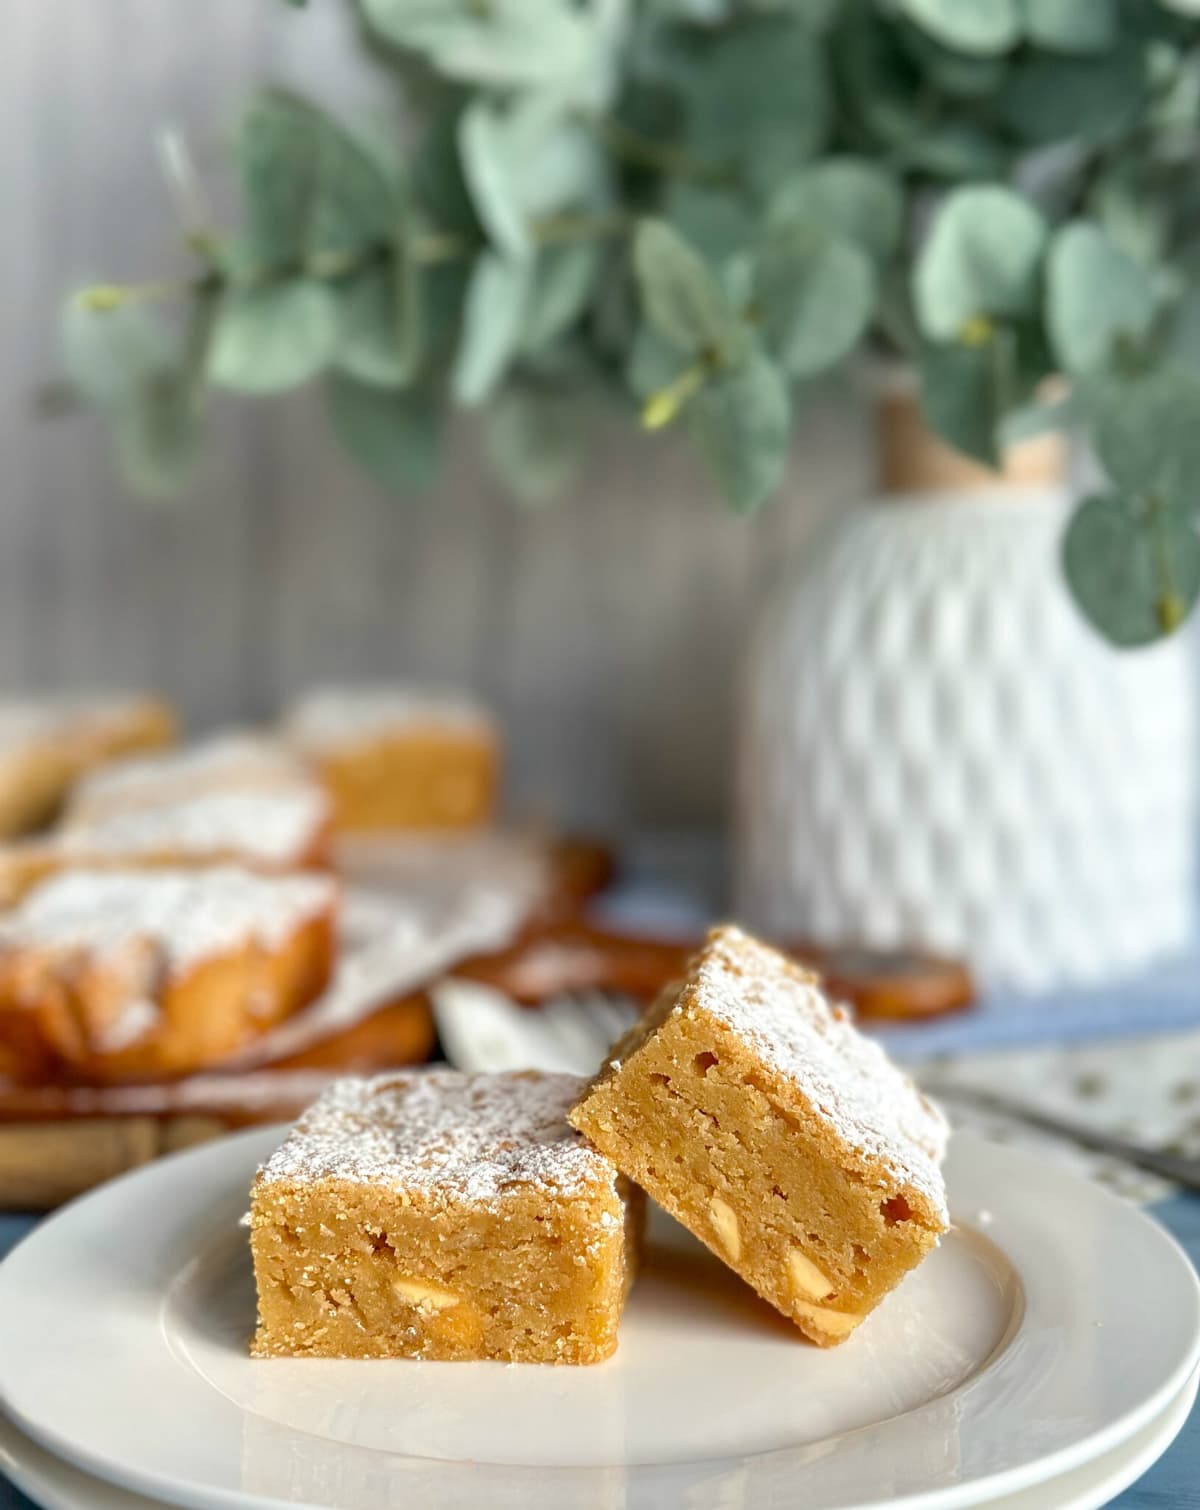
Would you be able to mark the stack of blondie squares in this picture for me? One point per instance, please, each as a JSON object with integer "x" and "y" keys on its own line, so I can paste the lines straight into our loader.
{"x": 439, "y": 1215}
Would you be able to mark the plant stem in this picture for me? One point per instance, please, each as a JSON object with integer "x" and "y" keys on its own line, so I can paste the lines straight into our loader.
{"x": 1172, "y": 610}
{"x": 662, "y": 407}
{"x": 103, "y": 297}
{"x": 429, "y": 248}
{"x": 559, "y": 230}
{"x": 644, "y": 152}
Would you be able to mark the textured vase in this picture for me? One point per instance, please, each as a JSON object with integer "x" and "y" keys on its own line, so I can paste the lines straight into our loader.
{"x": 937, "y": 750}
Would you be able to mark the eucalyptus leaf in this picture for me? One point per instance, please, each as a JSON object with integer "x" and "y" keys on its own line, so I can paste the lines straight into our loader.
{"x": 980, "y": 259}
{"x": 858, "y": 200}
{"x": 535, "y": 441}
{"x": 952, "y": 150}
{"x": 157, "y": 436}
{"x": 961, "y": 394}
{"x": 394, "y": 435}
{"x": 759, "y": 104}
{"x": 1124, "y": 201}
{"x": 654, "y": 363}
{"x": 110, "y": 354}
{"x": 528, "y": 160}
{"x": 682, "y": 298}
{"x": 272, "y": 338}
{"x": 817, "y": 14}
{"x": 562, "y": 282}
{"x": 1133, "y": 568}
{"x": 1094, "y": 100}
{"x": 1183, "y": 342}
{"x": 717, "y": 222}
{"x": 961, "y": 75}
{"x": 497, "y": 297}
{"x": 1146, "y": 432}
{"x": 494, "y": 178}
{"x": 512, "y": 44}
{"x": 1078, "y": 26}
{"x": 814, "y": 295}
{"x": 309, "y": 191}
{"x": 278, "y": 164}
{"x": 439, "y": 184}
{"x": 508, "y": 43}
{"x": 379, "y": 337}
{"x": 972, "y": 26}
{"x": 1096, "y": 295}
{"x": 741, "y": 420}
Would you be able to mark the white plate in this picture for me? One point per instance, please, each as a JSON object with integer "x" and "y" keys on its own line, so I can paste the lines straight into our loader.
{"x": 1051, "y": 1325}
{"x": 55, "y": 1485}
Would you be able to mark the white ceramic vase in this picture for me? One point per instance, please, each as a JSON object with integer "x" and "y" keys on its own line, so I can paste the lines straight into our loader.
{"x": 936, "y": 750}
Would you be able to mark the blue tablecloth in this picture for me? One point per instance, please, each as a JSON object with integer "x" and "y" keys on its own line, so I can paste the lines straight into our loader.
{"x": 1172, "y": 1484}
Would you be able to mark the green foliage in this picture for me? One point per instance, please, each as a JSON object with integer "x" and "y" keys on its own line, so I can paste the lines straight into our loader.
{"x": 1133, "y": 565}
{"x": 380, "y": 324}
{"x": 741, "y": 421}
{"x": 710, "y": 204}
{"x": 525, "y": 162}
{"x": 394, "y": 436}
{"x": 759, "y": 104}
{"x": 1097, "y": 296}
{"x": 682, "y": 299}
{"x": 857, "y": 200}
{"x": 274, "y": 337}
{"x": 535, "y": 440}
{"x": 813, "y": 293}
{"x": 980, "y": 260}
{"x": 1081, "y": 26}
{"x": 312, "y": 195}
{"x": 962, "y": 392}
{"x": 491, "y": 329}
{"x": 979, "y": 26}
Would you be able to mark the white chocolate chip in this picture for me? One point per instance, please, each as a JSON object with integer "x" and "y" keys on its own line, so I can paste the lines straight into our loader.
{"x": 807, "y": 1279}
{"x": 832, "y": 1323}
{"x": 725, "y": 1225}
{"x": 425, "y": 1296}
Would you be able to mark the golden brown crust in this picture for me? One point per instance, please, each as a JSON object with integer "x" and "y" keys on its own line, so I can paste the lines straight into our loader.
{"x": 442, "y": 1216}
{"x": 38, "y": 767}
{"x": 755, "y": 1143}
{"x": 423, "y": 778}
{"x": 77, "y": 1015}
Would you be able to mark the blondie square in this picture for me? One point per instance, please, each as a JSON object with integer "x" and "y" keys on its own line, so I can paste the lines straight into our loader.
{"x": 269, "y": 830}
{"x": 114, "y": 975}
{"x": 397, "y": 757}
{"x": 234, "y": 760}
{"x": 755, "y": 1112}
{"x": 46, "y": 744}
{"x": 442, "y": 1215}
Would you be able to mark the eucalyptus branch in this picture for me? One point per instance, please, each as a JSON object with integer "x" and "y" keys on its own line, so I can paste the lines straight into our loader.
{"x": 101, "y": 298}
{"x": 828, "y": 236}
{"x": 645, "y": 152}
{"x": 429, "y": 249}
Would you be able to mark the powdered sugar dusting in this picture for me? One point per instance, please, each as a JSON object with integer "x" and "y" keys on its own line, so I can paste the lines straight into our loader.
{"x": 781, "y": 1010}
{"x": 334, "y": 716}
{"x": 65, "y": 715}
{"x": 275, "y": 827}
{"x": 442, "y": 1136}
{"x": 231, "y": 761}
{"x": 188, "y": 916}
